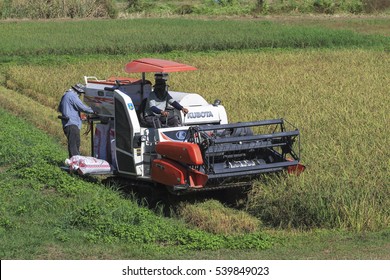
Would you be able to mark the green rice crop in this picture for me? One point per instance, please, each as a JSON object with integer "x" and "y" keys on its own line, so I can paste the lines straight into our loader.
{"x": 165, "y": 35}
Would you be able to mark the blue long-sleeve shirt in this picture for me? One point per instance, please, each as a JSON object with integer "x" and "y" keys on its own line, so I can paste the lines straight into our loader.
{"x": 70, "y": 107}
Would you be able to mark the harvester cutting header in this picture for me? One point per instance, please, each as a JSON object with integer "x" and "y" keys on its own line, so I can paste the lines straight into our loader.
{"x": 201, "y": 152}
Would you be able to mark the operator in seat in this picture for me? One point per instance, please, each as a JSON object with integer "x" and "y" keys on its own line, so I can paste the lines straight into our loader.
{"x": 156, "y": 114}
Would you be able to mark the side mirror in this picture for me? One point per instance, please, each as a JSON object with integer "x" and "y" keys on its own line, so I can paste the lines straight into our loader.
{"x": 217, "y": 102}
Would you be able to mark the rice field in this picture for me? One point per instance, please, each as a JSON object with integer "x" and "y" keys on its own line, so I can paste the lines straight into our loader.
{"x": 338, "y": 97}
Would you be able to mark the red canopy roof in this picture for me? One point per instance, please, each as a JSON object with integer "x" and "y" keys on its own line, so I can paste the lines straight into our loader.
{"x": 156, "y": 65}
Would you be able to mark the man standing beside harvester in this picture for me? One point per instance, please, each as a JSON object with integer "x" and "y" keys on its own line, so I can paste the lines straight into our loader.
{"x": 70, "y": 108}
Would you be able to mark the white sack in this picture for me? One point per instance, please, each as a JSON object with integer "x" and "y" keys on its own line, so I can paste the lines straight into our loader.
{"x": 88, "y": 165}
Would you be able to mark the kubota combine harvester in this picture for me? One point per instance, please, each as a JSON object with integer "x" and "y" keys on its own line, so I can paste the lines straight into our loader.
{"x": 204, "y": 153}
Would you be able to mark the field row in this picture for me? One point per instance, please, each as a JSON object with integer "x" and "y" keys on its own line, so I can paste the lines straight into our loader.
{"x": 166, "y": 35}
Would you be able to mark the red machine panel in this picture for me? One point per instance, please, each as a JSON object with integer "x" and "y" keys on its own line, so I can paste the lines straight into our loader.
{"x": 171, "y": 173}
{"x": 183, "y": 152}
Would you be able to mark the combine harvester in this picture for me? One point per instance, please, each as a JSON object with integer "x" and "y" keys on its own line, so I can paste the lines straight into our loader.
{"x": 204, "y": 153}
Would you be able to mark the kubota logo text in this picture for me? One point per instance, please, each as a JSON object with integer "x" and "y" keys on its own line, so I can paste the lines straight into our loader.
{"x": 204, "y": 114}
